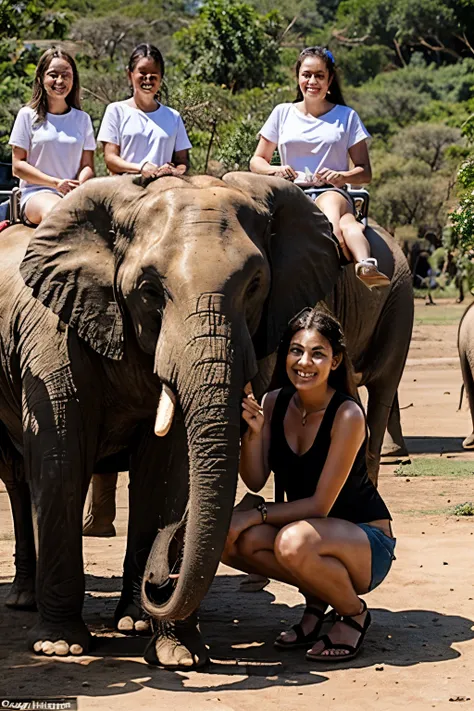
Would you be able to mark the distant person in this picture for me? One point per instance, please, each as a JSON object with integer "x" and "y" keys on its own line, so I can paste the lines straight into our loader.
{"x": 52, "y": 139}
{"x": 332, "y": 539}
{"x": 140, "y": 134}
{"x": 316, "y": 136}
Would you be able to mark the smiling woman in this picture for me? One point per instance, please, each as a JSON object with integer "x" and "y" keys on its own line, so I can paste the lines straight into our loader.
{"x": 316, "y": 136}
{"x": 141, "y": 135}
{"x": 52, "y": 139}
{"x": 332, "y": 539}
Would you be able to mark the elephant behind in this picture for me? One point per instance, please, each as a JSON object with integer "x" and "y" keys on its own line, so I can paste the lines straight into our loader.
{"x": 466, "y": 357}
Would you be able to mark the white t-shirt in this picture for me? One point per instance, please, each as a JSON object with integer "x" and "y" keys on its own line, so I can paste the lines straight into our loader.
{"x": 55, "y": 146}
{"x": 314, "y": 143}
{"x": 152, "y": 136}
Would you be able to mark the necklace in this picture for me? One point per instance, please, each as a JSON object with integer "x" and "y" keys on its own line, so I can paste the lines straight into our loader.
{"x": 305, "y": 414}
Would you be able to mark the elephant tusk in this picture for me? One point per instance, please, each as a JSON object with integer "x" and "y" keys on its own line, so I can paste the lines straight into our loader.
{"x": 165, "y": 411}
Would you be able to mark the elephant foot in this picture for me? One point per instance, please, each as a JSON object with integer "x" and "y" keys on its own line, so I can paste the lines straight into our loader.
{"x": 22, "y": 594}
{"x": 59, "y": 639}
{"x": 395, "y": 450}
{"x": 177, "y": 645}
{"x": 92, "y": 528}
{"x": 469, "y": 442}
{"x": 130, "y": 619}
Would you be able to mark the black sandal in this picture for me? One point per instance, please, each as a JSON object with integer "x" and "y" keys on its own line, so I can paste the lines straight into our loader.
{"x": 307, "y": 640}
{"x": 352, "y": 651}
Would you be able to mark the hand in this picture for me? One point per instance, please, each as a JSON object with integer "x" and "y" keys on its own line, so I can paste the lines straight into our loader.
{"x": 285, "y": 171}
{"x": 65, "y": 186}
{"x": 149, "y": 170}
{"x": 241, "y": 520}
{"x": 252, "y": 412}
{"x": 331, "y": 177}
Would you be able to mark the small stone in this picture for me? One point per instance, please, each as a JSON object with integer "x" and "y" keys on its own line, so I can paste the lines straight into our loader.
{"x": 444, "y": 563}
{"x": 407, "y": 479}
{"x": 459, "y": 698}
{"x": 85, "y": 683}
{"x": 378, "y": 668}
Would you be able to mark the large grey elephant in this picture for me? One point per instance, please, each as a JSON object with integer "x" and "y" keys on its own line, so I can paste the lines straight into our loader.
{"x": 466, "y": 357}
{"x": 173, "y": 293}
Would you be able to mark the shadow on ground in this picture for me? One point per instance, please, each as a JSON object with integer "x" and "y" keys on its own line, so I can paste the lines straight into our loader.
{"x": 239, "y": 628}
{"x": 434, "y": 445}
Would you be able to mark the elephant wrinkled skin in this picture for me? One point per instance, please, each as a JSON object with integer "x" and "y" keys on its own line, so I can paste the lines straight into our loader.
{"x": 128, "y": 287}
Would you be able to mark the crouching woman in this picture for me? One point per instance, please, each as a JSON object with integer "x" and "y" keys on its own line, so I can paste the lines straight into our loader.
{"x": 332, "y": 538}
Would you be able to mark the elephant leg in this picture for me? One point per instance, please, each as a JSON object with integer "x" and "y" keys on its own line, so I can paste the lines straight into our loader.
{"x": 394, "y": 444}
{"x": 378, "y": 411}
{"x": 468, "y": 381}
{"x": 22, "y": 591}
{"x": 100, "y": 505}
{"x": 59, "y": 457}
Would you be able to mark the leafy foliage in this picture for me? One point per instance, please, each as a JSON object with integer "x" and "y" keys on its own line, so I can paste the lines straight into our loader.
{"x": 231, "y": 44}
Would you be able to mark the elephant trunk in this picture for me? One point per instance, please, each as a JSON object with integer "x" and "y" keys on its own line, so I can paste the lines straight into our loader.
{"x": 209, "y": 384}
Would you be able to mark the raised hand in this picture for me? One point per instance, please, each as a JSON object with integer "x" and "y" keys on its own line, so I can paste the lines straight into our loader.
{"x": 252, "y": 412}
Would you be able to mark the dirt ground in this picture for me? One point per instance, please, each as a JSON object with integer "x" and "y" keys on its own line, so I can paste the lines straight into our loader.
{"x": 419, "y": 652}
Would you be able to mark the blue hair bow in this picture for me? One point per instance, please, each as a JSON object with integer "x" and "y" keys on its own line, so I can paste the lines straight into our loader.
{"x": 330, "y": 55}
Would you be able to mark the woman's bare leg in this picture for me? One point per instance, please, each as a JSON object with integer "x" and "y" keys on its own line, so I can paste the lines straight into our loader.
{"x": 39, "y": 205}
{"x": 350, "y": 234}
{"x": 254, "y": 553}
{"x": 333, "y": 558}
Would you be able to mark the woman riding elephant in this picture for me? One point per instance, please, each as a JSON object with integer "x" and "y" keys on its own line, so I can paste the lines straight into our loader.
{"x": 316, "y": 136}
{"x": 134, "y": 293}
{"x": 52, "y": 139}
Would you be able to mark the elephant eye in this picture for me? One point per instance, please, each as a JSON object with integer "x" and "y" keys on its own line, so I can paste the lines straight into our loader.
{"x": 152, "y": 294}
{"x": 253, "y": 286}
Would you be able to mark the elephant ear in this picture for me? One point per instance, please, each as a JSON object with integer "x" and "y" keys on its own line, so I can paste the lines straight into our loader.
{"x": 70, "y": 263}
{"x": 303, "y": 253}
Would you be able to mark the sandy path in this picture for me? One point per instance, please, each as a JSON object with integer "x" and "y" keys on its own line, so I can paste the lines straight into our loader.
{"x": 419, "y": 651}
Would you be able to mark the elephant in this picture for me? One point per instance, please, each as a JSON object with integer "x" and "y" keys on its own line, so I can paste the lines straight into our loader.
{"x": 466, "y": 357}
{"x": 142, "y": 308}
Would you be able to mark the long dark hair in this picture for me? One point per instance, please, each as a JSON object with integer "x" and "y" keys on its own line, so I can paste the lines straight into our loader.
{"x": 39, "y": 98}
{"x": 327, "y": 57}
{"x": 342, "y": 378}
{"x": 146, "y": 50}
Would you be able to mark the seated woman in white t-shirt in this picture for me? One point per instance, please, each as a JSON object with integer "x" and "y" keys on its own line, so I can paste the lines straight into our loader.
{"x": 315, "y": 137}
{"x": 52, "y": 139}
{"x": 140, "y": 135}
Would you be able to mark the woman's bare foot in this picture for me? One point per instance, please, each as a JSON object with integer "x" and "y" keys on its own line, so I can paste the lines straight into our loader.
{"x": 345, "y": 638}
{"x": 305, "y": 632}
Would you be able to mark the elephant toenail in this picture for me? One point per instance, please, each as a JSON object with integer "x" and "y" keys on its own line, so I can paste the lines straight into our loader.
{"x": 125, "y": 624}
{"x": 61, "y": 648}
{"x": 76, "y": 649}
{"x": 47, "y": 648}
{"x": 37, "y": 647}
{"x": 141, "y": 625}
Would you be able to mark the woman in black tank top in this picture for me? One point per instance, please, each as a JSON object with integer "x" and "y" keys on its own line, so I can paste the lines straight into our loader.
{"x": 332, "y": 538}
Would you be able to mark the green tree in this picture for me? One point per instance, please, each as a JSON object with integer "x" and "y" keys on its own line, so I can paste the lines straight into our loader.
{"x": 230, "y": 44}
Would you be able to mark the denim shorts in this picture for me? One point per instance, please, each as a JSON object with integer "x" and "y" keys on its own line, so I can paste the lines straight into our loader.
{"x": 382, "y": 547}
